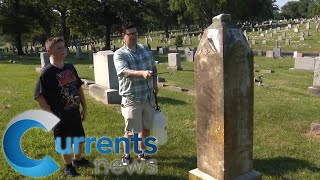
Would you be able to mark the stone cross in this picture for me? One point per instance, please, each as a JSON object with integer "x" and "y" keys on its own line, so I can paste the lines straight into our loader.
{"x": 224, "y": 104}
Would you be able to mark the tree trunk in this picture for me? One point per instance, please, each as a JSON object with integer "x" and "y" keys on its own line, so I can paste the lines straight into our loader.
{"x": 166, "y": 26}
{"x": 19, "y": 43}
{"x": 64, "y": 27}
{"x": 107, "y": 34}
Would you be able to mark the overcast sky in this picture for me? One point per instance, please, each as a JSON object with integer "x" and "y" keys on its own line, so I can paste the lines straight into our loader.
{"x": 280, "y": 3}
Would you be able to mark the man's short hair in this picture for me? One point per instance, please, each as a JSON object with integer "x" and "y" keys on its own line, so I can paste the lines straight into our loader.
{"x": 126, "y": 26}
{"x": 51, "y": 41}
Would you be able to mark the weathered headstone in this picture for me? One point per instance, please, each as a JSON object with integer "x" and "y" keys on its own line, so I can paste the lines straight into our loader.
{"x": 174, "y": 61}
{"x": 78, "y": 53}
{"x": 277, "y": 52}
{"x": 66, "y": 52}
{"x": 270, "y": 54}
{"x": 295, "y": 54}
{"x": 163, "y": 50}
{"x": 304, "y": 63}
{"x": 296, "y": 30}
{"x": 224, "y": 104}
{"x": 106, "y": 79}
{"x": 189, "y": 56}
{"x": 90, "y": 55}
{"x": 44, "y": 60}
{"x": 1, "y": 56}
{"x": 315, "y": 88}
{"x": 260, "y": 52}
{"x": 264, "y": 41}
{"x": 307, "y": 33}
{"x": 288, "y": 41}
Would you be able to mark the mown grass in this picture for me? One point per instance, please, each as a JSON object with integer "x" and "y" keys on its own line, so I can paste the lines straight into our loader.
{"x": 283, "y": 111}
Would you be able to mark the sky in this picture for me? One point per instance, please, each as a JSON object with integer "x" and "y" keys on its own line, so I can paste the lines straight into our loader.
{"x": 280, "y": 3}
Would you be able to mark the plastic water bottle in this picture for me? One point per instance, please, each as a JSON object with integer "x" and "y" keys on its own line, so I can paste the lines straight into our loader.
{"x": 159, "y": 130}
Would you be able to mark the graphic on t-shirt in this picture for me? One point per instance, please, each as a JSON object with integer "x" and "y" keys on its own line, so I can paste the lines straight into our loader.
{"x": 69, "y": 92}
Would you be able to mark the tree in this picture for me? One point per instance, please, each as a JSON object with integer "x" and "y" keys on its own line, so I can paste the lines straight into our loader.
{"x": 159, "y": 9}
{"x": 16, "y": 20}
{"x": 62, "y": 9}
{"x": 291, "y": 10}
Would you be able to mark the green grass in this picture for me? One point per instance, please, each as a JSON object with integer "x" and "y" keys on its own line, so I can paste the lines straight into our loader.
{"x": 283, "y": 111}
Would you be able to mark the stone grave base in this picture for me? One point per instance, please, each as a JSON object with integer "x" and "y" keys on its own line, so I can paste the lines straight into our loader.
{"x": 293, "y": 69}
{"x": 314, "y": 90}
{"x": 38, "y": 69}
{"x": 196, "y": 174}
{"x": 174, "y": 68}
{"x": 107, "y": 96}
{"x": 86, "y": 83}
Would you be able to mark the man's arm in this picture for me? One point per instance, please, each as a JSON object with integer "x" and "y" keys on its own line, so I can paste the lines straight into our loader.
{"x": 43, "y": 103}
{"x": 134, "y": 73}
{"x": 83, "y": 104}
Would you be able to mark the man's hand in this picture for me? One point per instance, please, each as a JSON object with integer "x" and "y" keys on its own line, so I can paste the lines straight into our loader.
{"x": 146, "y": 74}
{"x": 83, "y": 114}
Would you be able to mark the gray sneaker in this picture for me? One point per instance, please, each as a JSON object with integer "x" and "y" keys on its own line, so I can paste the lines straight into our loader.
{"x": 125, "y": 160}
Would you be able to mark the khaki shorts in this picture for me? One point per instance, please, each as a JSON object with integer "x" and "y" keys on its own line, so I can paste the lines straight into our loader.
{"x": 137, "y": 116}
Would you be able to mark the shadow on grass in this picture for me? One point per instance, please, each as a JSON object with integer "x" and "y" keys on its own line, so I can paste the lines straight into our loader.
{"x": 281, "y": 165}
{"x": 186, "y": 163}
{"x": 167, "y": 100}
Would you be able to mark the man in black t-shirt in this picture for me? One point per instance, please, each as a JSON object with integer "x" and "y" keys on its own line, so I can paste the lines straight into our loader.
{"x": 59, "y": 91}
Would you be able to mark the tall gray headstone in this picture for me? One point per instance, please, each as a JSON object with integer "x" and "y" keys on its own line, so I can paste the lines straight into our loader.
{"x": 44, "y": 61}
{"x": 174, "y": 61}
{"x": 66, "y": 52}
{"x": 315, "y": 88}
{"x": 78, "y": 53}
{"x": 270, "y": 54}
{"x": 224, "y": 104}
{"x": 189, "y": 55}
{"x": 90, "y": 55}
{"x": 277, "y": 52}
{"x": 1, "y": 56}
{"x": 304, "y": 63}
{"x": 106, "y": 84}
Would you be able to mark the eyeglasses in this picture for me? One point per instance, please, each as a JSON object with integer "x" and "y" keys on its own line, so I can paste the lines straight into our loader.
{"x": 132, "y": 34}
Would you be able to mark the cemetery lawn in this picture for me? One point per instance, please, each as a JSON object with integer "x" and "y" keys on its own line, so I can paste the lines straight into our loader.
{"x": 283, "y": 111}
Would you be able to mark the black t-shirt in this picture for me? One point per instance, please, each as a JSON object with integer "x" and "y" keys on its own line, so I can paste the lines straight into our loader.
{"x": 60, "y": 88}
